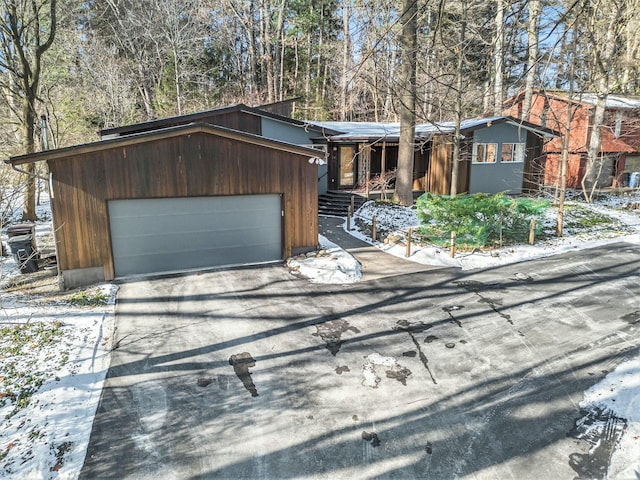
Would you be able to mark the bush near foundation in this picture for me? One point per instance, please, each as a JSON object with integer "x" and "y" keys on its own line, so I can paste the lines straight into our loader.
{"x": 479, "y": 220}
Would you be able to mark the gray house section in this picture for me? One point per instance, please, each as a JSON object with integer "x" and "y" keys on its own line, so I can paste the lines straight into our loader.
{"x": 299, "y": 135}
{"x": 499, "y": 176}
{"x": 287, "y": 132}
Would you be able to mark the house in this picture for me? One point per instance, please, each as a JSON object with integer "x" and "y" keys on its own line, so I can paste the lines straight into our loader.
{"x": 620, "y": 137}
{"x": 181, "y": 193}
{"x": 497, "y": 154}
{"x": 267, "y": 121}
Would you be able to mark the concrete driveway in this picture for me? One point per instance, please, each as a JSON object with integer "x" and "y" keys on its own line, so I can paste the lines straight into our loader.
{"x": 252, "y": 373}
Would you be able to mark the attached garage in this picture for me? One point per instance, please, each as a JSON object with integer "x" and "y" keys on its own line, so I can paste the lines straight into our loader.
{"x": 167, "y": 234}
{"x": 184, "y": 197}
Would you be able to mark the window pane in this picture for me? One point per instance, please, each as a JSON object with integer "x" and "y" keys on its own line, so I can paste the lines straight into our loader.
{"x": 519, "y": 153}
{"x": 491, "y": 153}
{"x": 484, "y": 152}
{"x": 507, "y": 152}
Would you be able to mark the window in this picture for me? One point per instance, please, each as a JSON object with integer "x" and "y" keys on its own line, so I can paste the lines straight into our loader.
{"x": 512, "y": 153}
{"x": 484, "y": 152}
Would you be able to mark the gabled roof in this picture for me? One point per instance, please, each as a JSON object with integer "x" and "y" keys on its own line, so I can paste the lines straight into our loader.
{"x": 149, "y": 136}
{"x": 375, "y": 131}
{"x": 194, "y": 118}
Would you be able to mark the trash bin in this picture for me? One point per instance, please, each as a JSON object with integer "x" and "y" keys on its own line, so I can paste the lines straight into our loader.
{"x": 22, "y": 249}
{"x": 20, "y": 229}
{"x": 634, "y": 180}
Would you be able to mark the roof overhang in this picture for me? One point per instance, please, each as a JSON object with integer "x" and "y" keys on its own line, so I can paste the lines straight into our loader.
{"x": 196, "y": 118}
{"x": 170, "y": 132}
{"x": 373, "y": 133}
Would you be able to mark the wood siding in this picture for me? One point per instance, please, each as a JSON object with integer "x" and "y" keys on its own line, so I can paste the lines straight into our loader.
{"x": 236, "y": 119}
{"x": 533, "y": 174}
{"x": 440, "y": 166}
{"x": 197, "y": 164}
{"x": 242, "y": 121}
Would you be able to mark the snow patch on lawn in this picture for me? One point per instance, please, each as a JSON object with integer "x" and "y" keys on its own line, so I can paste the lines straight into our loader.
{"x": 618, "y": 394}
{"x": 48, "y": 438}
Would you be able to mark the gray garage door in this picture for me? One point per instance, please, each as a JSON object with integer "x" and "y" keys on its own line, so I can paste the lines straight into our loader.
{"x": 169, "y": 234}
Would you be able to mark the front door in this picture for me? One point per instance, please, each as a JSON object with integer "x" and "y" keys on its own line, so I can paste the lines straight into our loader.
{"x": 346, "y": 166}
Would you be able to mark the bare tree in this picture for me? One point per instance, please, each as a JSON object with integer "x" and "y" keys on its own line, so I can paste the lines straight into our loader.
{"x": 26, "y": 33}
{"x": 605, "y": 22}
{"x": 455, "y": 160}
{"x": 406, "y": 150}
{"x": 534, "y": 7}
{"x": 346, "y": 60}
{"x": 498, "y": 58}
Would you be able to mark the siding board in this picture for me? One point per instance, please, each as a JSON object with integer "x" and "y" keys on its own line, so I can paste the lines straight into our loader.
{"x": 198, "y": 164}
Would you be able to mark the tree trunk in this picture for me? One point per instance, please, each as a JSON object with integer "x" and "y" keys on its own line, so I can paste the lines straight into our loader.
{"x": 346, "y": 56}
{"x": 498, "y": 60}
{"x": 28, "y": 142}
{"x": 532, "y": 57}
{"x": 594, "y": 160}
{"x": 279, "y": 51}
{"x": 408, "y": 43}
{"x": 21, "y": 52}
{"x": 455, "y": 160}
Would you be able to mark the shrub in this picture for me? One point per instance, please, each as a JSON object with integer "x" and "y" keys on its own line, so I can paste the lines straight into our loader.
{"x": 480, "y": 219}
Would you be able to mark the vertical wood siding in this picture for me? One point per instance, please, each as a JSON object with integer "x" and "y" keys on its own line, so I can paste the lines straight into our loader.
{"x": 198, "y": 164}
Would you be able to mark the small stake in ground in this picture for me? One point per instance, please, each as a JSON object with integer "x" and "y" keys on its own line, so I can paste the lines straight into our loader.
{"x": 353, "y": 203}
{"x": 373, "y": 228}
{"x": 452, "y": 248}
{"x": 408, "y": 252}
{"x": 349, "y": 219}
{"x": 532, "y": 231}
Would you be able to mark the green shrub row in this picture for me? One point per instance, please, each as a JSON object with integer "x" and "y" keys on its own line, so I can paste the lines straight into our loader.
{"x": 480, "y": 219}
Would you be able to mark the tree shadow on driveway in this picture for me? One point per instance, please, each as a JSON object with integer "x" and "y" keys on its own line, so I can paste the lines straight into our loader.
{"x": 509, "y": 360}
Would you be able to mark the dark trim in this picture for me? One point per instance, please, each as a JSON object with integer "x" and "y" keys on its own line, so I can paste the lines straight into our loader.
{"x": 170, "y": 132}
{"x": 195, "y": 117}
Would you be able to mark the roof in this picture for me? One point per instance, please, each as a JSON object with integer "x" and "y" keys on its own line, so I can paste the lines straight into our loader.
{"x": 169, "y": 132}
{"x": 376, "y": 131}
{"x": 195, "y": 117}
{"x": 613, "y": 102}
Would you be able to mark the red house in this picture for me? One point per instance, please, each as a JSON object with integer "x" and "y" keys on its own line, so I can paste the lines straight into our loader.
{"x": 620, "y": 140}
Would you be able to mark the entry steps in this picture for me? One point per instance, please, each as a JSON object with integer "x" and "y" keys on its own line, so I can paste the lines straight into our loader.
{"x": 337, "y": 203}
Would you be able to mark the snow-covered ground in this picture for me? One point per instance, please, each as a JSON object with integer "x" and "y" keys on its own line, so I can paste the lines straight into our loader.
{"x": 396, "y": 219}
{"x": 331, "y": 264}
{"x": 51, "y": 373}
{"x": 54, "y": 355}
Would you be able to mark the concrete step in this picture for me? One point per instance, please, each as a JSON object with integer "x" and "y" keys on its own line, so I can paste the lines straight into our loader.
{"x": 337, "y": 203}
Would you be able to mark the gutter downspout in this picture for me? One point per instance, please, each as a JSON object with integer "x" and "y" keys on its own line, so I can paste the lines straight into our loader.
{"x": 34, "y": 175}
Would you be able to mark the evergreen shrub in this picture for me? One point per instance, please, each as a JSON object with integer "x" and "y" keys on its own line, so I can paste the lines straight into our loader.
{"x": 479, "y": 220}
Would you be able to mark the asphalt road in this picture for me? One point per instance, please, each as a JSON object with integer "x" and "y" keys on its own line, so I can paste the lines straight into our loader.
{"x": 253, "y": 373}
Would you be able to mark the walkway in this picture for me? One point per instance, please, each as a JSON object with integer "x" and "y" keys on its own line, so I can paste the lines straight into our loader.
{"x": 375, "y": 263}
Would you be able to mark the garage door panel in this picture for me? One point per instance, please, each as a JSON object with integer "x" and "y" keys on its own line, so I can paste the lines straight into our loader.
{"x": 160, "y": 235}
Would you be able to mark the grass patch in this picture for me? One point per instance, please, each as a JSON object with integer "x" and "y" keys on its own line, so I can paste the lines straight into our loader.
{"x": 580, "y": 217}
{"x": 21, "y": 350}
{"x": 95, "y": 298}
